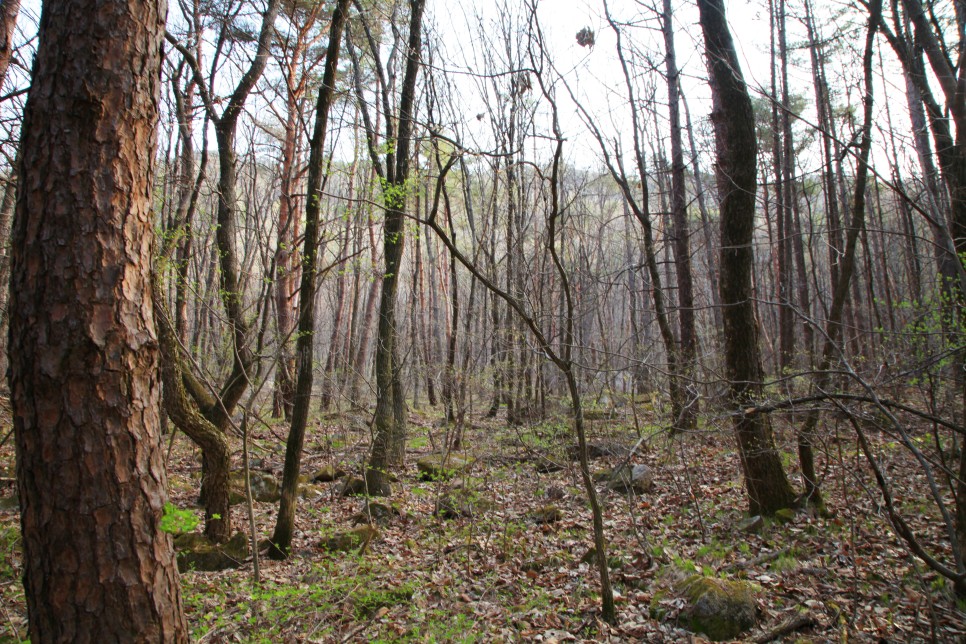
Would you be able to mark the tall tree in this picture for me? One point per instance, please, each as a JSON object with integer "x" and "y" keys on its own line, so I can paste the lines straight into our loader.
{"x": 679, "y": 218}
{"x": 389, "y": 443}
{"x": 737, "y": 150}
{"x": 9, "y": 9}
{"x": 84, "y": 382}
{"x": 284, "y": 526}
{"x": 202, "y": 416}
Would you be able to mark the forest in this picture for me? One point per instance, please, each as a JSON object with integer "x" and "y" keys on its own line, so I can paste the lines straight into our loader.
{"x": 523, "y": 320}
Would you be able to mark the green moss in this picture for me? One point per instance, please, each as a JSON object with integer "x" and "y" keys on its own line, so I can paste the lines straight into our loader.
{"x": 719, "y": 608}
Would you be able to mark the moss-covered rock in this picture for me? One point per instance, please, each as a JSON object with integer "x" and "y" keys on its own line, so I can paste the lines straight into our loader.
{"x": 376, "y": 513}
{"x": 440, "y": 467}
{"x": 310, "y": 492}
{"x": 546, "y": 514}
{"x": 354, "y": 486}
{"x": 719, "y": 608}
{"x": 356, "y": 539}
{"x": 784, "y": 515}
{"x": 546, "y": 465}
{"x": 195, "y": 552}
{"x": 265, "y": 487}
{"x": 327, "y": 474}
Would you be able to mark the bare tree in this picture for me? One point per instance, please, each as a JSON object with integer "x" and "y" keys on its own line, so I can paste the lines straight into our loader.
{"x": 734, "y": 124}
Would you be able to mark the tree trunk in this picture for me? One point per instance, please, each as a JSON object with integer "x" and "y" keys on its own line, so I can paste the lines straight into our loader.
{"x": 682, "y": 246}
{"x": 389, "y": 443}
{"x": 285, "y": 524}
{"x": 734, "y": 126}
{"x": 9, "y": 9}
{"x": 84, "y": 383}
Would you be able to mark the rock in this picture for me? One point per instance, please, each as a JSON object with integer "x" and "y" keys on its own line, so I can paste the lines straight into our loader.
{"x": 355, "y": 539}
{"x": 751, "y": 525}
{"x": 195, "y": 552}
{"x": 437, "y": 467}
{"x": 546, "y": 465}
{"x": 373, "y": 513}
{"x": 555, "y": 493}
{"x": 354, "y": 486}
{"x": 719, "y": 608}
{"x": 638, "y": 478}
{"x": 461, "y": 502}
{"x": 784, "y": 515}
{"x": 328, "y": 474}
{"x": 265, "y": 487}
{"x": 310, "y": 492}
{"x": 546, "y": 514}
{"x": 10, "y": 502}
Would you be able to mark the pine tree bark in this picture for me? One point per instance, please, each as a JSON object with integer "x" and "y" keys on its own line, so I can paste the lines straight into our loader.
{"x": 737, "y": 150}
{"x": 84, "y": 381}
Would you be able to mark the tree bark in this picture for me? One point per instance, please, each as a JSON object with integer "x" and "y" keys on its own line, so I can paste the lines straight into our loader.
{"x": 737, "y": 150}
{"x": 9, "y": 9}
{"x": 90, "y": 469}
{"x": 285, "y": 524}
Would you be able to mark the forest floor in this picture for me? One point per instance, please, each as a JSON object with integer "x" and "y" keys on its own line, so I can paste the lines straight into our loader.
{"x": 507, "y": 574}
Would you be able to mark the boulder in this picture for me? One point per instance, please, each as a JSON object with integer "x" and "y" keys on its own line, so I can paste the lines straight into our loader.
{"x": 11, "y": 502}
{"x": 195, "y": 552}
{"x": 751, "y": 525}
{"x": 265, "y": 487}
{"x": 719, "y": 608}
{"x": 546, "y": 465}
{"x": 354, "y": 486}
{"x": 546, "y": 514}
{"x": 310, "y": 492}
{"x": 439, "y": 467}
{"x": 327, "y": 474}
{"x": 356, "y": 539}
{"x": 374, "y": 513}
{"x": 638, "y": 478}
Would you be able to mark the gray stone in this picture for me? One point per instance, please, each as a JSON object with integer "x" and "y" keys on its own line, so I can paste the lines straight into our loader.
{"x": 751, "y": 525}
{"x": 638, "y": 478}
{"x": 265, "y": 487}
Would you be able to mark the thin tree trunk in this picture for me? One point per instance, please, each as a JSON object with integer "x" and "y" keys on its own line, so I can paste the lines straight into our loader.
{"x": 734, "y": 124}
{"x": 285, "y": 523}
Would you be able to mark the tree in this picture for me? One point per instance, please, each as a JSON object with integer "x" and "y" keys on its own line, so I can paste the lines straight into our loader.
{"x": 389, "y": 443}
{"x": 282, "y": 538}
{"x": 202, "y": 416}
{"x": 8, "y": 20}
{"x": 737, "y": 150}
{"x": 84, "y": 383}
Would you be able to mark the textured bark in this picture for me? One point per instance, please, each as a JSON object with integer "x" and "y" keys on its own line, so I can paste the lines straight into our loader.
{"x": 734, "y": 126}
{"x": 84, "y": 383}
{"x": 9, "y": 9}
{"x": 285, "y": 524}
